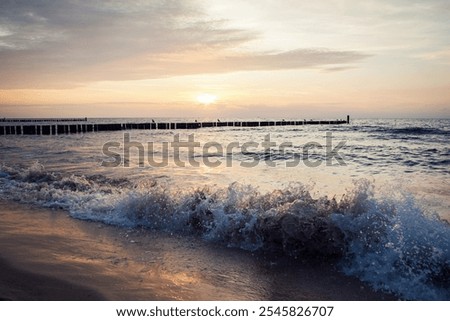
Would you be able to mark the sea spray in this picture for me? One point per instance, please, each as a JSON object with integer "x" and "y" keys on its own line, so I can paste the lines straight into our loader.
{"x": 393, "y": 245}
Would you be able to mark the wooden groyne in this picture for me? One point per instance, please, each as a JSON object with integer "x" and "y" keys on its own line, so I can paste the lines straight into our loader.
{"x": 76, "y": 128}
{"x": 42, "y": 120}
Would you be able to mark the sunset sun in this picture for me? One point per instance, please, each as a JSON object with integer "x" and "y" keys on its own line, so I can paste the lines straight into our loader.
{"x": 206, "y": 99}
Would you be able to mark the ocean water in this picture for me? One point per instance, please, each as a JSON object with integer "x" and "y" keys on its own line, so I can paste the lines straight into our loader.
{"x": 373, "y": 196}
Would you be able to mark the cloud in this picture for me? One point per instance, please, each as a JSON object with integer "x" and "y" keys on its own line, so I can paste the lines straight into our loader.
{"x": 210, "y": 61}
{"x": 51, "y": 44}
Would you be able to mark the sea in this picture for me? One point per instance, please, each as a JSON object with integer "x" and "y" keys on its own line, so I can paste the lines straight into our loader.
{"x": 372, "y": 197}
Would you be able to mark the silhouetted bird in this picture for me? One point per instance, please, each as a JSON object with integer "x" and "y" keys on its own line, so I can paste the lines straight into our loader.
{"x": 218, "y": 120}
{"x": 153, "y": 121}
{"x": 196, "y": 120}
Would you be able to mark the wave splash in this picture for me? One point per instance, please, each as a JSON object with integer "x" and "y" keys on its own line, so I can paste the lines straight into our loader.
{"x": 388, "y": 242}
{"x": 393, "y": 245}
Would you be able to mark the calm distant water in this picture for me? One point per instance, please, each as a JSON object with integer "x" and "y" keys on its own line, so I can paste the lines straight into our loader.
{"x": 374, "y": 194}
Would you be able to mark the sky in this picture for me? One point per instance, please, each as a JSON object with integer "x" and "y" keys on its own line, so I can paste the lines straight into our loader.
{"x": 225, "y": 58}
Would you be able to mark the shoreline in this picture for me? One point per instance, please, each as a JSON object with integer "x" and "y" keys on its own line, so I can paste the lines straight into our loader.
{"x": 47, "y": 255}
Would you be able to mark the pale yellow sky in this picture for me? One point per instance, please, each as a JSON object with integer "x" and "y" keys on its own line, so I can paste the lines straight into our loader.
{"x": 258, "y": 58}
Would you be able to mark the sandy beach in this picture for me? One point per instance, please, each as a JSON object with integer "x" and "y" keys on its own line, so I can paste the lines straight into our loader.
{"x": 46, "y": 255}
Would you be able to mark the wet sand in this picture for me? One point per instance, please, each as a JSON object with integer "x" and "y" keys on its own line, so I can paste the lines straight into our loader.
{"x": 46, "y": 255}
{"x": 16, "y": 284}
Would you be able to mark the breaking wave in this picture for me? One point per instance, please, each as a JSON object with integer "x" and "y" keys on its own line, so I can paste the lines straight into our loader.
{"x": 389, "y": 241}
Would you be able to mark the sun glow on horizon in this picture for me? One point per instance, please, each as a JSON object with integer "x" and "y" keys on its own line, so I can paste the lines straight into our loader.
{"x": 206, "y": 99}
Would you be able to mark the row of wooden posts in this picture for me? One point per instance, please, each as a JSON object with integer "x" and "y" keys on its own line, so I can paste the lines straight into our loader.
{"x": 60, "y": 129}
{"x": 41, "y": 120}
